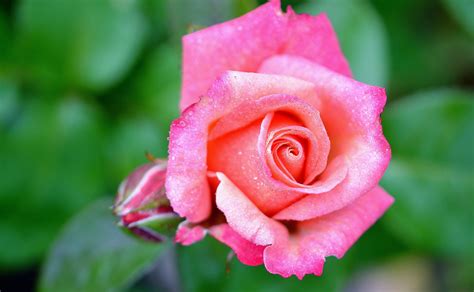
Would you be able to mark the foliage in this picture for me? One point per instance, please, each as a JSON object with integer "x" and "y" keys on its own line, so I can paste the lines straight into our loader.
{"x": 86, "y": 87}
{"x": 101, "y": 258}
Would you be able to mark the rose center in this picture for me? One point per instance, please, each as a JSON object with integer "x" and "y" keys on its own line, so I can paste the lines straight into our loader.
{"x": 286, "y": 152}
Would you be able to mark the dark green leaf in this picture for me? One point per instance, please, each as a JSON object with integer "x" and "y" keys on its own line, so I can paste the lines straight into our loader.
{"x": 156, "y": 88}
{"x": 92, "y": 254}
{"x": 4, "y": 38}
{"x": 431, "y": 174}
{"x": 79, "y": 43}
{"x": 52, "y": 165}
{"x": 243, "y": 6}
{"x": 9, "y": 101}
{"x": 427, "y": 49}
{"x": 155, "y": 12}
{"x": 463, "y": 11}
{"x": 362, "y": 35}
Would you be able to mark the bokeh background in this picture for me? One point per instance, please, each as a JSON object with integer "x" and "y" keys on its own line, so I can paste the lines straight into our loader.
{"x": 87, "y": 86}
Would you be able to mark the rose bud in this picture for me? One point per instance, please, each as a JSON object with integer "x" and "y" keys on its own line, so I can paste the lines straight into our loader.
{"x": 278, "y": 151}
{"x": 142, "y": 205}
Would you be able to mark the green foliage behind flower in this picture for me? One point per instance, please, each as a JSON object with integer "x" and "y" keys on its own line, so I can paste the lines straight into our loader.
{"x": 87, "y": 87}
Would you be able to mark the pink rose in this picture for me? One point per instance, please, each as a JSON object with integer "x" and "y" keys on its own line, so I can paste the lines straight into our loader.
{"x": 282, "y": 161}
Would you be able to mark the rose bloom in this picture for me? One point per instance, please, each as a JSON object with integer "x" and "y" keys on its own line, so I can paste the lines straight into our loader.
{"x": 278, "y": 151}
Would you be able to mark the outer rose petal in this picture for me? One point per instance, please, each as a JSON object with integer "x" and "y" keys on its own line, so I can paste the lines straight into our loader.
{"x": 304, "y": 250}
{"x": 240, "y": 44}
{"x": 332, "y": 235}
{"x": 243, "y": 216}
{"x": 351, "y": 113}
{"x": 247, "y": 252}
{"x": 188, "y": 234}
{"x": 244, "y": 43}
{"x": 186, "y": 184}
{"x": 313, "y": 38}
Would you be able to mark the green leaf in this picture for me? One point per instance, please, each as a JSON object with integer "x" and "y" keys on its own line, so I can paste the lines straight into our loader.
{"x": 155, "y": 12}
{"x": 425, "y": 52}
{"x": 156, "y": 88}
{"x": 4, "y": 38}
{"x": 52, "y": 165}
{"x": 243, "y": 6}
{"x": 362, "y": 36}
{"x": 9, "y": 101}
{"x": 431, "y": 174}
{"x": 462, "y": 10}
{"x": 79, "y": 44}
{"x": 203, "y": 268}
{"x": 92, "y": 254}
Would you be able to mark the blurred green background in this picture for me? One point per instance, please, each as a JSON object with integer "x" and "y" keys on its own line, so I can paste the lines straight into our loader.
{"x": 87, "y": 86}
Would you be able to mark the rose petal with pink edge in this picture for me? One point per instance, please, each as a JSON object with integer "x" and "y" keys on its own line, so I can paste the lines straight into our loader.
{"x": 142, "y": 187}
{"x": 350, "y": 111}
{"x": 188, "y": 234}
{"x": 241, "y": 156}
{"x": 243, "y": 216}
{"x": 242, "y": 44}
{"x": 305, "y": 250}
{"x": 186, "y": 184}
{"x": 316, "y": 158}
{"x": 236, "y": 155}
{"x": 248, "y": 112}
{"x": 247, "y": 252}
{"x": 301, "y": 110}
{"x": 286, "y": 158}
{"x": 313, "y": 38}
{"x": 334, "y": 173}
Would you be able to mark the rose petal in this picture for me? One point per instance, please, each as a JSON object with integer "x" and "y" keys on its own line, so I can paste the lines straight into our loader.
{"x": 242, "y": 44}
{"x": 304, "y": 250}
{"x": 314, "y": 38}
{"x": 186, "y": 181}
{"x": 247, "y": 252}
{"x": 286, "y": 156}
{"x": 350, "y": 111}
{"x": 304, "y": 115}
{"x": 241, "y": 156}
{"x": 143, "y": 186}
{"x": 315, "y": 160}
{"x": 237, "y": 156}
{"x": 248, "y": 112}
{"x": 243, "y": 216}
{"x": 188, "y": 234}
